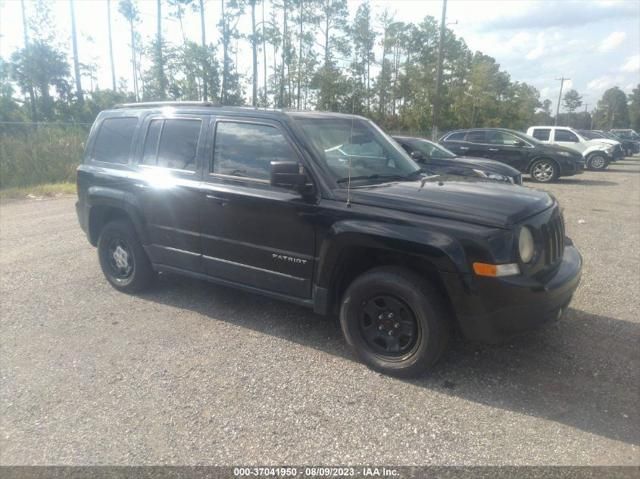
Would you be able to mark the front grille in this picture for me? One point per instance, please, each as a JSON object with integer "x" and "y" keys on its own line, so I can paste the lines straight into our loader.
{"x": 553, "y": 237}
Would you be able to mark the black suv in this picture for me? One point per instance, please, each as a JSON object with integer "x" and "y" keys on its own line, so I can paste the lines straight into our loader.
{"x": 543, "y": 162}
{"x": 326, "y": 211}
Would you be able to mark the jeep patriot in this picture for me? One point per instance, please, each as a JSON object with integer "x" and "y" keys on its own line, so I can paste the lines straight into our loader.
{"x": 327, "y": 211}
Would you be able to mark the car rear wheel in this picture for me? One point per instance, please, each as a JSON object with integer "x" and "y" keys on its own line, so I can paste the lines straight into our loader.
{"x": 122, "y": 257}
{"x": 597, "y": 161}
{"x": 395, "y": 321}
{"x": 544, "y": 171}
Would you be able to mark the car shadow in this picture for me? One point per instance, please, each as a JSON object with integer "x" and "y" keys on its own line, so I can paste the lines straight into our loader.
{"x": 577, "y": 181}
{"x": 615, "y": 170}
{"x": 580, "y": 371}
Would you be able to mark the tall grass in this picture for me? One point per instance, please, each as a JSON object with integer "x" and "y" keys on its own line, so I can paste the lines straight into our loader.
{"x": 32, "y": 155}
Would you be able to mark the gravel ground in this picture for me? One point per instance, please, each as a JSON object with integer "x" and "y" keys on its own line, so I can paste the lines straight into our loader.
{"x": 192, "y": 373}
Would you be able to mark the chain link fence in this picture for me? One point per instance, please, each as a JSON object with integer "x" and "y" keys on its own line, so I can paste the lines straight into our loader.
{"x": 37, "y": 153}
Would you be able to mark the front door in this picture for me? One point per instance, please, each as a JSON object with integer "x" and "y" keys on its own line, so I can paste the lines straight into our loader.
{"x": 508, "y": 149}
{"x": 253, "y": 233}
{"x": 569, "y": 139}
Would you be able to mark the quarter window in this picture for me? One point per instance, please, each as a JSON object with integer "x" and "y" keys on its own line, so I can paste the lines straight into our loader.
{"x": 172, "y": 143}
{"x": 247, "y": 149}
{"x": 565, "y": 135}
{"x": 542, "y": 134}
{"x": 113, "y": 141}
{"x": 459, "y": 136}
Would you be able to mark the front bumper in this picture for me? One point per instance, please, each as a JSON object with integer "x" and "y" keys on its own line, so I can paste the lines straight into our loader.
{"x": 572, "y": 168}
{"x": 495, "y": 309}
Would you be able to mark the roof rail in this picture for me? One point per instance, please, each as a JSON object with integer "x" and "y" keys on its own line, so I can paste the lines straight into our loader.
{"x": 149, "y": 104}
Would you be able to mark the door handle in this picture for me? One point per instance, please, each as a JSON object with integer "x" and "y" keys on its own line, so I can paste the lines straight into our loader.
{"x": 217, "y": 199}
{"x": 463, "y": 147}
{"x": 493, "y": 149}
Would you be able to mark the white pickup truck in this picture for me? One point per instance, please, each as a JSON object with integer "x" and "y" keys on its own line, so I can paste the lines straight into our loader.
{"x": 597, "y": 153}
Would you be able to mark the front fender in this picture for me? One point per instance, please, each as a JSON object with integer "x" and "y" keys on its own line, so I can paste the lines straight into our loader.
{"x": 438, "y": 248}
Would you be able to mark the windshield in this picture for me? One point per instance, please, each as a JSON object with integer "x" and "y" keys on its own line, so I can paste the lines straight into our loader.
{"x": 591, "y": 135}
{"x": 430, "y": 150}
{"x": 356, "y": 148}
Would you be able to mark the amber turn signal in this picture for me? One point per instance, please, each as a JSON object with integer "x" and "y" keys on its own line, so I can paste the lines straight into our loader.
{"x": 495, "y": 270}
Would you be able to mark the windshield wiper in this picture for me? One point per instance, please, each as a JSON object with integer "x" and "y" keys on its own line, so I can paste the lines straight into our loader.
{"x": 377, "y": 176}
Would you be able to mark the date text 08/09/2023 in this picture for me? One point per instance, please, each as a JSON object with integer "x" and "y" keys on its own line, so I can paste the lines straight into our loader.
{"x": 314, "y": 472}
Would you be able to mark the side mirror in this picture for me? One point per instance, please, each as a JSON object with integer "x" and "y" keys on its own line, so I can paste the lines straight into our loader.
{"x": 287, "y": 174}
{"x": 519, "y": 143}
{"x": 418, "y": 156}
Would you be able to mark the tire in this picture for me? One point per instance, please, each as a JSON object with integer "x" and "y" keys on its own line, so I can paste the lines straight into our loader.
{"x": 122, "y": 258}
{"x": 544, "y": 171}
{"x": 597, "y": 162}
{"x": 408, "y": 342}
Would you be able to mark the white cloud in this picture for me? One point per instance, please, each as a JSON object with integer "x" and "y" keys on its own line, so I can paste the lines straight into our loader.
{"x": 632, "y": 64}
{"x": 612, "y": 41}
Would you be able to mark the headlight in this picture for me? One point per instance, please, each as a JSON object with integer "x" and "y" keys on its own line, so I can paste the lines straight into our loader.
{"x": 526, "y": 246}
{"x": 492, "y": 176}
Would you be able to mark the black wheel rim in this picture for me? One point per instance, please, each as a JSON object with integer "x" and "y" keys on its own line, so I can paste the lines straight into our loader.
{"x": 389, "y": 326}
{"x": 120, "y": 259}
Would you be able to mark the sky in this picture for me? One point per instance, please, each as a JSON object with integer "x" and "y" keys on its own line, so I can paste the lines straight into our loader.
{"x": 595, "y": 43}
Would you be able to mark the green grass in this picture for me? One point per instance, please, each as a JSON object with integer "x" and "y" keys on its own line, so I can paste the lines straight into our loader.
{"x": 38, "y": 191}
{"x": 38, "y": 156}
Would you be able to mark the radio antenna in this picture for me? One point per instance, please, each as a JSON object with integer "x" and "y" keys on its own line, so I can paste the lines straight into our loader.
{"x": 353, "y": 109}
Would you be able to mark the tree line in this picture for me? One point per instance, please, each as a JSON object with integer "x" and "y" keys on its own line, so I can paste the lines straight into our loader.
{"x": 313, "y": 55}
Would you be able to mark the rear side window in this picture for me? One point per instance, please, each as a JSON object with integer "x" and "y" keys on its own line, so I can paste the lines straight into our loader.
{"x": 172, "y": 143}
{"x": 459, "y": 136}
{"x": 476, "y": 137}
{"x": 565, "y": 135}
{"x": 113, "y": 140}
{"x": 501, "y": 138}
{"x": 541, "y": 134}
{"x": 247, "y": 149}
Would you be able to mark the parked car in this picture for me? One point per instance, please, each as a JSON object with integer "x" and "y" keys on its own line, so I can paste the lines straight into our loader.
{"x": 326, "y": 211}
{"x": 436, "y": 159}
{"x": 629, "y": 138}
{"x": 544, "y": 163}
{"x": 597, "y": 153}
{"x": 618, "y": 148}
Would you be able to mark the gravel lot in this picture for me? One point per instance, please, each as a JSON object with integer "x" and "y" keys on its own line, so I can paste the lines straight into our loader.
{"x": 193, "y": 373}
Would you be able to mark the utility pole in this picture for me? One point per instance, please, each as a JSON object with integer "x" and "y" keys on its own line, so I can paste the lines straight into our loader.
{"x": 586, "y": 106}
{"x": 205, "y": 93}
{"x": 436, "y": 99}
{"x": 561, "y": 80}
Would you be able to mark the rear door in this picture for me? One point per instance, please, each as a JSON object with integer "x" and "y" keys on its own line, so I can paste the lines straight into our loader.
{"x": 253, "y": 233}
{"x": 475, "y": 144}
{"x": 167, "y": 188}
{"x": 542, "y": 134}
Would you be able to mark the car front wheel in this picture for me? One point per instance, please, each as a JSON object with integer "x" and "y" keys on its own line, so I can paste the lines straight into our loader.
{"x": 544, "y": 171}
{"x": 395, "y": 321}
{"x": 122, "y": 257}
{"x": 597, "y": 162}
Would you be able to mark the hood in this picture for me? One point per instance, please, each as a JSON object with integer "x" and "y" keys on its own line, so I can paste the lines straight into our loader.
{"x": 461, "y": 198}
{"x": 607, "y": 141}
{"x": 488, "y": 165}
